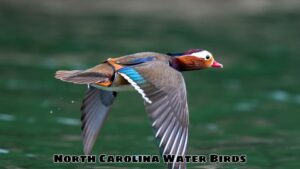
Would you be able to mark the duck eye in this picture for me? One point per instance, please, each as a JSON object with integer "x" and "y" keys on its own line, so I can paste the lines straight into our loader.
{"x": 207, "y": 57}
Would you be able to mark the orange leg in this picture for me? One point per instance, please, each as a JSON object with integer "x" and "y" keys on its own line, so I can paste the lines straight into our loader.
{"x": 105, "y": 83}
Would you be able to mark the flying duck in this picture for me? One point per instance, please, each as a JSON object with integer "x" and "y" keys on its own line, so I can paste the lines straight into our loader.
{"x": 157, "y": 78}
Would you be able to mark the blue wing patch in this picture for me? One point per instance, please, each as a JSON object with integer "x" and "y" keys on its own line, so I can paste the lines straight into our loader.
{"x": 132, "y": 74}
{"x": 141, "y": 60}
{"x": 135, "y": 79}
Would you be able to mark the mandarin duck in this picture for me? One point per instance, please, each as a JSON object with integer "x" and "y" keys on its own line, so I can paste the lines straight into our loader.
{"x": 157, "y": 78}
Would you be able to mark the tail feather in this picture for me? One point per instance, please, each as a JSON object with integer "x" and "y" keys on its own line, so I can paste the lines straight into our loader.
{"x": 63, "y": 74}
{"x": 80, "y": 77}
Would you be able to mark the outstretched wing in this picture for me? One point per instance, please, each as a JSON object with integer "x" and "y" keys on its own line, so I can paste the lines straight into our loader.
{"x": 164, "y": 92}
{"x": 94, "y": 110}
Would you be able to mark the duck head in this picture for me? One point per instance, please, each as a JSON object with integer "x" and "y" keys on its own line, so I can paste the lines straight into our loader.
{"x": 195, "y": 59}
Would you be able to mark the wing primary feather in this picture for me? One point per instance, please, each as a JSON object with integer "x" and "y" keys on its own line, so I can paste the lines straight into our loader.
{"x": 171, "y": 139}
{"x": 162, "y": 128}
{"x": 160, "y": 119}
{"x": 165, "y": 88}
{"x": 179, "y": 148}
{"x": 168, "y": 134}
{"x": 95, "y": 107}
{"x": 176, "y": 141}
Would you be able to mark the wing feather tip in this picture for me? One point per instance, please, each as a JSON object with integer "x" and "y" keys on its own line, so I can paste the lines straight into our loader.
{"x": 136, "y": 87}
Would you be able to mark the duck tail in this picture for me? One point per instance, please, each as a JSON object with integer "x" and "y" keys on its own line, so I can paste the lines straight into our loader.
{"x": 80, "y": 77}
{"x": 63, "y": 74}
{"x": 66, "y": 75}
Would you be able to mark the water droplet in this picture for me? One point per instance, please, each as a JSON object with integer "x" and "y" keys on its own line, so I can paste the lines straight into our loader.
{"x": 72, "y": 101}
{"x": 51, "y": 111}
